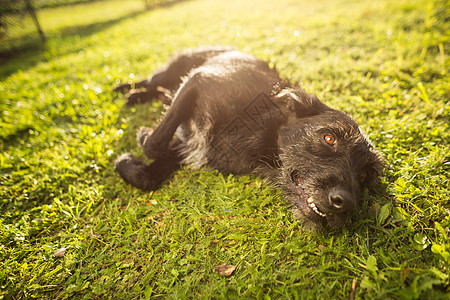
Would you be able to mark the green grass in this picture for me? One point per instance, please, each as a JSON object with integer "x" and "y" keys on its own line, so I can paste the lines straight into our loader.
{"x": 63, "y": 20}
{"x": 384, "y": 62}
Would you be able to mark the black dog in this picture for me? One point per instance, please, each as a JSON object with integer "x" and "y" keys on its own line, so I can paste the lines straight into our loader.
{"x": 232, "y": 112}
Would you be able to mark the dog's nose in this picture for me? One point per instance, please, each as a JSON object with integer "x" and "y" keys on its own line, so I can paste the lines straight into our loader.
{"x": 341, "y": 200}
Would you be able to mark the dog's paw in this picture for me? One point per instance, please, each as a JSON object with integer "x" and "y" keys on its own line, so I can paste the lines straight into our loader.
{"x": 143, "y": 135}
{"x": 133, "y": 97}
{"x": 138, "y": 96}
{"x": 126, "y": 165}
{"x": 138, "y": 174}
{"x": 124, "y": 159}
{"x": 150, "y": 147}
{"x": 121, "y": 88}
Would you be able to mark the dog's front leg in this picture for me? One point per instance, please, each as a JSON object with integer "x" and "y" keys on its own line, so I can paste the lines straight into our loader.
{"x": 156, "y": 143}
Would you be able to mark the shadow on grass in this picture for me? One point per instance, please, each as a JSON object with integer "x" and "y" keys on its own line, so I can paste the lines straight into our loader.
{"x": 30, "y": 51}
{"x": 87, "y": 30}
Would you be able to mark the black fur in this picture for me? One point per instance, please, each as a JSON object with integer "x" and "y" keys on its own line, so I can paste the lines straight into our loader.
{"x": 232, "y": 112}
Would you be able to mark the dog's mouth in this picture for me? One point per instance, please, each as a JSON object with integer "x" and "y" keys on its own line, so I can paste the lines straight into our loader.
{"x": 312, "y": 205}
{"x": 303, "y": 196}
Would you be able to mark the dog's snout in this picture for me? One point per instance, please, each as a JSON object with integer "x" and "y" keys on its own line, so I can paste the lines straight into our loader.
{"x": 341, "y": 200}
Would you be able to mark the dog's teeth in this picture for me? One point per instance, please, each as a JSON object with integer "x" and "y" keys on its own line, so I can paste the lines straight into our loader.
{"x": 315, "y": 209}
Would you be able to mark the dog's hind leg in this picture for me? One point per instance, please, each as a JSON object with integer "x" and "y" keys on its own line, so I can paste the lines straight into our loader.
{"x": 169, "y": 77}
{"x": 142, "y": 92}
{"x": 148, "y": 177}
{"x": 155, "y": 143}
{"x": 122, "y": 88}
{"x": 166, "y": 79}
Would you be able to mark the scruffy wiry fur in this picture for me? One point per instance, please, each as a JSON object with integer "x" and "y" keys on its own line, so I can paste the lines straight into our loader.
{"x": 232, "y": 112}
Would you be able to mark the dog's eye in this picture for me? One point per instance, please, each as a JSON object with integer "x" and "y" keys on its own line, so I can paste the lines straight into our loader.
{"x": 329, "y": 139}
{"x": 295, "y": 177}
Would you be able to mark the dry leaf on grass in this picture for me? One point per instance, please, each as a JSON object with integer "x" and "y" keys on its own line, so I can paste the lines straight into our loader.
{"x": 225, "y": 270}
{"x": 60, "y": 252}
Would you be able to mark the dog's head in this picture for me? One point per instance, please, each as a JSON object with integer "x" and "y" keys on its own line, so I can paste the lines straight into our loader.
{"x": 326, "y": 162}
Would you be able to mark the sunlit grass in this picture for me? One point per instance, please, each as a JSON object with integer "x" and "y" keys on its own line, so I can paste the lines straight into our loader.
{"x": 85, "y": 14}
{"x": 21, "y": 30}
{"x": 384, "y": 63}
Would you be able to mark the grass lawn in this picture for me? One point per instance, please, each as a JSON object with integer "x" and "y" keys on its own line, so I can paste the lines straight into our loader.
{"x": 384, "y": 62}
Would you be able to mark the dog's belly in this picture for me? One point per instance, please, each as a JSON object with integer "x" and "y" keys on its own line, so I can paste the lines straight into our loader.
{"x": 195, "y": 143}
{"x": 237, "y": 146}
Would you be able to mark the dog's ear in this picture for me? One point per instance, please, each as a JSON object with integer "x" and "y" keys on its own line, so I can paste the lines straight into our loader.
{"x": 287, "y": 135}
{"x": 301, "y": 103}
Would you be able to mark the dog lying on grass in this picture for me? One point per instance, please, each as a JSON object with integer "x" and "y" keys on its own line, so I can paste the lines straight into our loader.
{"x": 232, "y": 112}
